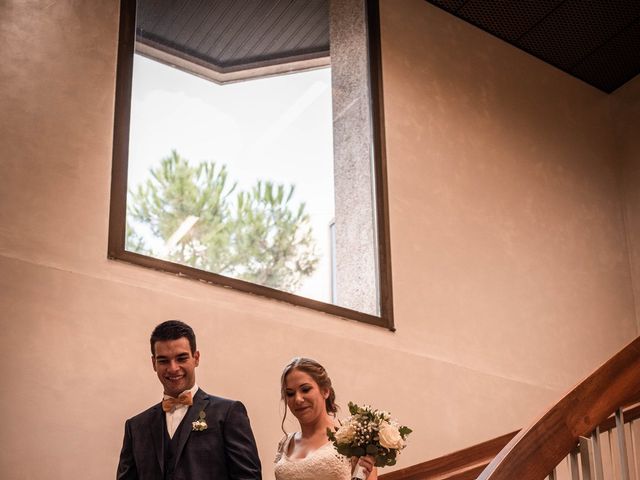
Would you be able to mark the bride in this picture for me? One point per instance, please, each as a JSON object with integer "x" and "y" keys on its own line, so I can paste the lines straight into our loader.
{"x": 308, "y": 454}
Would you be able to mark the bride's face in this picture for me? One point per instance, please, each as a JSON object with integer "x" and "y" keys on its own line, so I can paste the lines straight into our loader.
{"x": 305, "y": 399}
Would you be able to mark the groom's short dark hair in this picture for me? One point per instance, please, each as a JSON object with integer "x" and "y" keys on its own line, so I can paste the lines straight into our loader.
{"x": 173, "y": 330}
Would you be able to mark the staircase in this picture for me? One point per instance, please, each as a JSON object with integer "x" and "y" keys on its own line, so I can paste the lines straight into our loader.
{"x": 590, "y": 434}
{"x": 465, "y": 464}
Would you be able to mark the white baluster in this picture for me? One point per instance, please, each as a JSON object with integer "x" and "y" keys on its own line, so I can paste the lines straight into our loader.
{"x": 573, "y": 462}
{"x": 597, "y": 454}
{"x": 585, "y": 457}
{"x": 622, "y": 446}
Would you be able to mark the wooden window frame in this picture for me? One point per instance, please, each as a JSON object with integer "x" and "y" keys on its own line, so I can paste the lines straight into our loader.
{"x": 118, "y": 203}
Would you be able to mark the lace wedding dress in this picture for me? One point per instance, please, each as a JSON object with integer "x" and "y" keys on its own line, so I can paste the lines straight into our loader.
{"x": 322, "y": 464}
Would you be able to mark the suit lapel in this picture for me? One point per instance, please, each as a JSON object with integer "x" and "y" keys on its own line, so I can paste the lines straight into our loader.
{"x": 157, "y": 427}
{"x": 200, "y": 402}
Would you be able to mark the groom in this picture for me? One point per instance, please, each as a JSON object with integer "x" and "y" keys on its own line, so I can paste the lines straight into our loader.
{"x": 190, "y": 434}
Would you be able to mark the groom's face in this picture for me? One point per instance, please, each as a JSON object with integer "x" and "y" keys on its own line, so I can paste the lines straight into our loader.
{"x": 175, "y": 365}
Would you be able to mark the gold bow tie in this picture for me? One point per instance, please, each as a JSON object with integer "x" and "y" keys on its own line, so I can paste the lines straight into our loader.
{"x": 169, "y": 404}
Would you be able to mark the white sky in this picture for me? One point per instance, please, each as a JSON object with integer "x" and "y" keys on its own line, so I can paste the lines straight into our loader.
{"x": 277, "y": 128}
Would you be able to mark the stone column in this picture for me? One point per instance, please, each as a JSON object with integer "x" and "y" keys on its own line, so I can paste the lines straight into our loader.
{"x": 355, "y": 230}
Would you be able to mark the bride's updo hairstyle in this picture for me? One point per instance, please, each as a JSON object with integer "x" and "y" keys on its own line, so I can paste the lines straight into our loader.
{"x": 319, "y": 375}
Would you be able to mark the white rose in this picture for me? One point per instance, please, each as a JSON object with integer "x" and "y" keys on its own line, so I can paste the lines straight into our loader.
{"x": 390, "y": 437}
{"x": 346, "y": 433}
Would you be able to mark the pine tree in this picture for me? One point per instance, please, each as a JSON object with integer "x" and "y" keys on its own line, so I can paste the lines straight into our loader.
{"x": 256, "y": 235}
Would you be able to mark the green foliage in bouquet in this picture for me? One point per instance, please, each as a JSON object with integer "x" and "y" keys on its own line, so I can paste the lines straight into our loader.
{"x": 369, "y": 432}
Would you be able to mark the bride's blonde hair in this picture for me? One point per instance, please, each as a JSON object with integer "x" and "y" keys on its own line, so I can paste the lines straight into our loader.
{"x": 319, "y": 375}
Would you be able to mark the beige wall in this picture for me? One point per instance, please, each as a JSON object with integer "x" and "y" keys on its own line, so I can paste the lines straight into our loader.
{"x": 511, "y": 275}
{"x": 626, "y": 111}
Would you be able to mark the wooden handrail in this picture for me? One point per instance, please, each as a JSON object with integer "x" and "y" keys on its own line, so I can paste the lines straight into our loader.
{"x": 464, "y": 464}
{"x": 535, "y": 451}
{"x": 468, "y": 463}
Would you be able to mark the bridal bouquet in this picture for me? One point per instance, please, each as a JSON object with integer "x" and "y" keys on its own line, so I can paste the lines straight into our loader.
{"x": 369, "y": 432}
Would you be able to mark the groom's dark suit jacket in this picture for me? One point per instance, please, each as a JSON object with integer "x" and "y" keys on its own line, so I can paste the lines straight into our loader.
{"x": 226, "y": 450}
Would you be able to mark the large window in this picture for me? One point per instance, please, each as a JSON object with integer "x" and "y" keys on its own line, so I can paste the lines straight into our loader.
{"x": 248, "y": 152}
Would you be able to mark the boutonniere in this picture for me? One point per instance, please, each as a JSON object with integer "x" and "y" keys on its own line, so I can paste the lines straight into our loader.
{"x": 200, "y": 424}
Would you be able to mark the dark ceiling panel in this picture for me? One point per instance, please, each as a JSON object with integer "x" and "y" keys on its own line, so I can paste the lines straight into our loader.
{"x": 449, "y": 5}
{"x": 296, "y": 27}
{"x": 511, "y": 19}
{"x": 614, "y": 64}
{"x": 576, "y": 29}
{"x": 277, "y": 23}
{"x": 232, "y": 34}
{"x": 239, "y": 26}
{"x": 200, "y": 25}
{"x": 256, "y": 41}
{"x": 593, "y": 40}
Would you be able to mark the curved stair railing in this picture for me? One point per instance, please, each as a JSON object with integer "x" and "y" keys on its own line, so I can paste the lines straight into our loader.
{"x": 465, "y": 464}
{"x": 607, "y": 452}
{"x": 536, "y": 451}
{"x": 597, "y": 416}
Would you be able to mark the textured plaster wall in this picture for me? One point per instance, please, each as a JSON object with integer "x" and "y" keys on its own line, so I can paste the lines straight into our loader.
{"x": 626, "y": 111}
{"x": 511, "y": 276}
{"x": 504, "y": 184}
